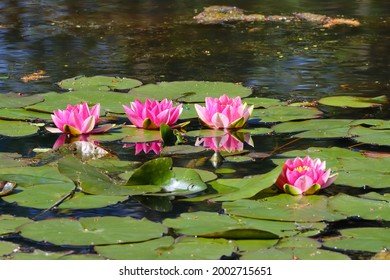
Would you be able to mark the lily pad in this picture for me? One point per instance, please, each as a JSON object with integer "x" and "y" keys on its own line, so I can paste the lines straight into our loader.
{"x": 11, "y": 160}
{"x": 92, "y": 230}
{"x": 40, "y": 196}
{"x": 158, "y": 172}
{"x": 323, "y": 128}
{"x": 189, "y": 91}
{"x": 43, "y": 255}
{"x": 100, "y": 83}
{"x": 109, "y": 101}
{"x": 86, "y": 201}
{"x": 246, "y": 188}
{"x": 33, "y": 176}
{"x": 261, "y": 102}
{"x": 137, "y": 135}
{"x": 92, "y": 181}
{"x": 148, "y": 250}
{"x": 232, "y": 227}
{"x": 285, "y": 207}
{"x": 293, "y": 254}
{"x": 17, "y": 128}
{"x": 369, "y": 135}
{"x": 354, "y": 101}
{"x": 7, "y": 248}
{"x": 21, "y": 114}
{"x": 370, "y": 239}
{"x": 360, "y": 207}
{"x": 18, "y": 100}
{"x": 285, "y": 113}
{"x": 9, "y": 224}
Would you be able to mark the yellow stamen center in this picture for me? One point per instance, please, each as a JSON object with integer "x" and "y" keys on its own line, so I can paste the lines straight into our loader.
{"x": 302, "y": 168}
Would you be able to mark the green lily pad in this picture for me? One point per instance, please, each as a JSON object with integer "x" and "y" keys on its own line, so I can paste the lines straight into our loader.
{"x": 40, "y": 196}
{"x": 231, "y": 227}
{"x": 206, "y": 133}
{"x": 109, "y": 101}
{"x": 285, "y": 207}
{"x": 360, "y": 207}
{"x": 43, "y": 255}
{"x": 354, "y": 101}
{"x": 114, "y": 165}
{"x": 254, "y": 244}
{"x": 7, "y": 248}
{"x": 148, "y": 250}
{"x": 285, "y": 113}
{"x": 189, "y": 91}
{"x": 17, "y": 128}
{"x": 158, "y": 172}
{"x": 261, "y": 102}
{"x": 323, "y": 128}
{"x": 376, "y": 196}
{"x": 20, "y": 114}
{"x": 100, "y": 83}
{"x": 86, "y": 201}
{"x": 370, "y": 239}
{"x": 92, "y": 181}
{"x": 9, "y": 224}
{"x": 137, "y": 135}
{"x": 11, "y": 160}
{"x": 245, "y": 188}
{"x": 181, "y": 150}
{"x": 293, "y": 254}
{"x": 369, "y": 135}
{"x": 17, "y": 100}
{"x": 33, "y": 176}
{"x": 330, "y": 155}
{"x": 92, "y": 230}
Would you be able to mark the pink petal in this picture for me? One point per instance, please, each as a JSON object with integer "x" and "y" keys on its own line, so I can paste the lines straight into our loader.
{"x": 303, "y": 183}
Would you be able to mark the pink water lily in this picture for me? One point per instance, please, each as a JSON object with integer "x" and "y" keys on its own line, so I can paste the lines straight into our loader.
{"x": 304, "y": 176}
{"x": 224, "y": 112}
{"x": 78, "y": 119}
{"x": 151, "y": 114}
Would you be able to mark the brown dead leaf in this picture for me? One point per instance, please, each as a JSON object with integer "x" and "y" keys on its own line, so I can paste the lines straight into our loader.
{"x": 339, "y": 21}
{"x": 34, "y": 76}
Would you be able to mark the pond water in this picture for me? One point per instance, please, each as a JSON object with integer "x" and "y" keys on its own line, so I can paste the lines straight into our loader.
{"x": 158, "y": 41}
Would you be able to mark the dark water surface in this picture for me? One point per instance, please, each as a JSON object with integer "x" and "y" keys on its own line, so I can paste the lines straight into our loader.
{"x": 158, "y": 41}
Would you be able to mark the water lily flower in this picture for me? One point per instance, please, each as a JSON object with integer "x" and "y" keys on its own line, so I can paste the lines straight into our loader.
{"x": 78, "y": 119}
{"x": 304, "y": 176}
{"x": 151, "y": 114}
{"x": 224, "y": 112}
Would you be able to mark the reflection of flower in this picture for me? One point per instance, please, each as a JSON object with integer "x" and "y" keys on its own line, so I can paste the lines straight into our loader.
{"x": 227, "y": 143}
{"x": 224, "y": 112}
{"x": 304, "y": 176}
{"x": 146, "y": 147}
{"x": 151, "y": 114}
{"x": 67, "y": 139}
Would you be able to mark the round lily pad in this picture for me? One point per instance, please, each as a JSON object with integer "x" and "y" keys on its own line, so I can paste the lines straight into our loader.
{"x": 360, "y": 207}
{"x": 285, "y": 113}
{"x": 98, "y": 83}
{"x": 17, "y": 128}
{"x": 18, "y": 100}
{"x": 372, "y": 239}
{"x": 148, "y": 250}
{"x": 323, "y": 128}
{"x": 7, "y": 248}
{"x": 354, "y": 101}
{"x": 285, "y": 207}
{"x": 9, "y": 224}
{"x": 232, "y": 227}
{"x": 92, "y": 230}
{"x": 369, "y": 135}
{"x": 189, "y": 91}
